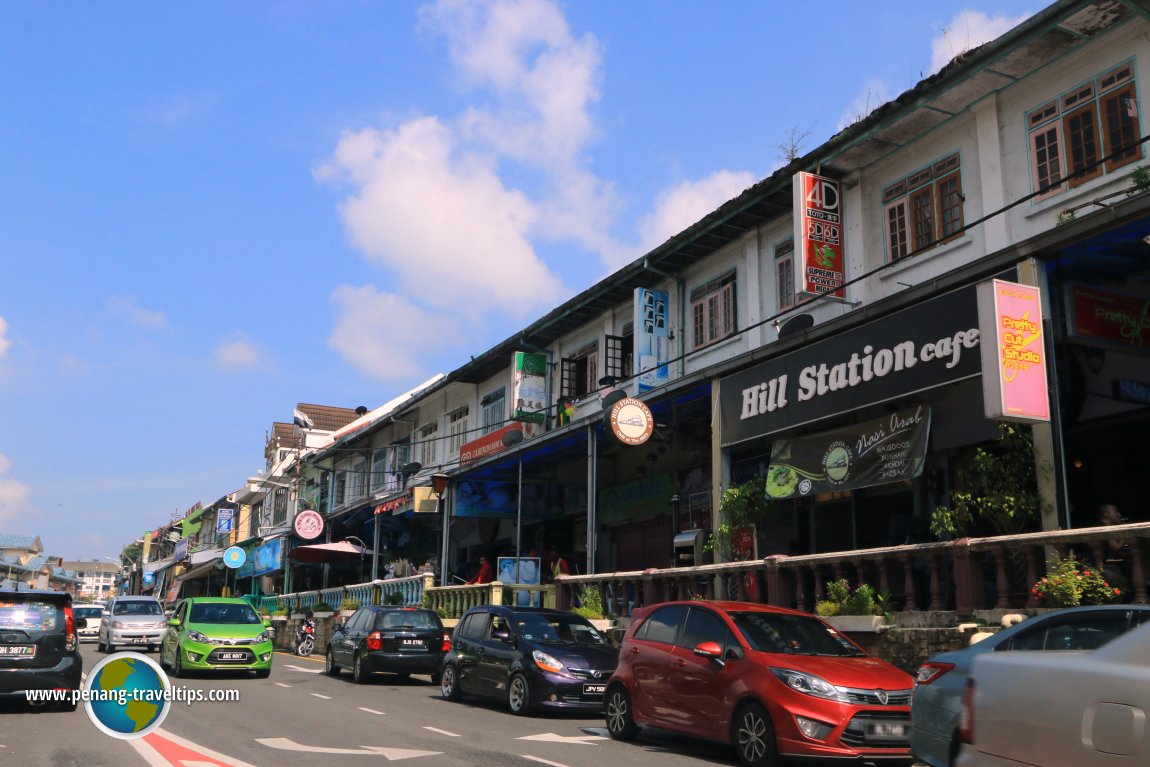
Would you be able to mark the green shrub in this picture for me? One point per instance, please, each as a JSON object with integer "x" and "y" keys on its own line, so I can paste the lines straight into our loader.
{"x": 322, "y": 607}
{"x": 843, "y": 600}
{"x": 590, "y": 603}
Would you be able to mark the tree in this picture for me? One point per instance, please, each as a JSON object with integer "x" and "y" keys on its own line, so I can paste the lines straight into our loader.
{"x": 1000, "y": 488}
{"x": 792, "y": 144}
{"x": 741, "y": 508}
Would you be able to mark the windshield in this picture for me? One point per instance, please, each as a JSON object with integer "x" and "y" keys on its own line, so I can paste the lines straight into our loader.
{"x": 557, "y": 628}
{"x": 407, "y": 619}
{"x": 87, "y": 612}
{"x": 33, "y": 615}
{"x": 792, "y": 635}
{"x": 217, "y": 613}
{"x": 137, "y": 608}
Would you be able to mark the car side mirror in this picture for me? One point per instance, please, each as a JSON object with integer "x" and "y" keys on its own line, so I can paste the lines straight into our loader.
{"x": 502, "y": 636}
{"x": 267, "y": 623}
{"x": 709, "y": 650}
{"x": 336, "y": 626}
{"x": 174, "y": 622}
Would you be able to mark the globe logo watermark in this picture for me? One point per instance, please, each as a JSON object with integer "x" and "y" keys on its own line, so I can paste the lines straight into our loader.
{"x": 127, "y": 695}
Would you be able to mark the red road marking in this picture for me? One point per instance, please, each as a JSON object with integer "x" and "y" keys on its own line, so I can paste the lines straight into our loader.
{"x": 179, "y": 755}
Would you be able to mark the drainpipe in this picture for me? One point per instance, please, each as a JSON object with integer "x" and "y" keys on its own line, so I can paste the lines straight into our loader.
{"x": 681, "y": 297}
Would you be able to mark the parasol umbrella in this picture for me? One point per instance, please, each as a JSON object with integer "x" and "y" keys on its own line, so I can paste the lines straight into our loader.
{"x": 329, "y": 553}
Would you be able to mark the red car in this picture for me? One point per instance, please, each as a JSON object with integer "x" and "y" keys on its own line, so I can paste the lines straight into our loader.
{"x": 772, "y": 682}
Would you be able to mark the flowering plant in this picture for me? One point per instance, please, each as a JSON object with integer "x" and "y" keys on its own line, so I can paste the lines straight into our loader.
{"x": 843, "y": 600}
{"x": 1069, "y": 583}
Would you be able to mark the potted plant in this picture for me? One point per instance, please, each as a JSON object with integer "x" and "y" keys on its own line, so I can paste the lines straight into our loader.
{"x": 852, "y": 609}
{"x": 591, "y": 607}
{"x": 322, "y": 610}
{"x": 348, "y": 606}
{"x": 1069, "y": 583}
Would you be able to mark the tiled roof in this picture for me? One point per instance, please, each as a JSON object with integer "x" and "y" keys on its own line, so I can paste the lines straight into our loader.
{"x": 20, "y": 542}
{"x": 328, "y": 418}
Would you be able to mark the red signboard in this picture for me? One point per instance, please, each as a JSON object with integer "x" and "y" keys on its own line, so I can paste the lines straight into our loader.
{"x": 488, "y": 444}
{"x": 1103, "y": 315}
{"x": 392, "y": 505}
{"x": 819, "y": 235}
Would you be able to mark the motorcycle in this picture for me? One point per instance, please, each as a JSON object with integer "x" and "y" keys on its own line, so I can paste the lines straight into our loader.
{"x": 305, "y": 638}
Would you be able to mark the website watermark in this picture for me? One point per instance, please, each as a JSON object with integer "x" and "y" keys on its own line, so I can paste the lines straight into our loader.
{"x": 121, "y": 696}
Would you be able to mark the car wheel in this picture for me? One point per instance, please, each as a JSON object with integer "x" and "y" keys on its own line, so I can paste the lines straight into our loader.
{"x": 449, "y": 683}
{"x": 177, "y": 665}
{"x": 519, "y": 695}
{"x": 263, "y": 673}
{"x": 357, "y": 672}
{"x": 620, "y": 719}
{"x": 329, "y": 666}
{"x": 99, "y": 646}
{"x": 753, "y": 736}
{"x": 109, "y": 648}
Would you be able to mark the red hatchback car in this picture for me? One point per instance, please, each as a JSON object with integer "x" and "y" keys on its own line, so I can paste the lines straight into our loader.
{"x": 772, "y": 682}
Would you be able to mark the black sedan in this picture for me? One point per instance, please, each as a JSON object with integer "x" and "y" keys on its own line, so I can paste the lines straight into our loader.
{"x": 379, "y": 638}
{"x": 530, "y": 657}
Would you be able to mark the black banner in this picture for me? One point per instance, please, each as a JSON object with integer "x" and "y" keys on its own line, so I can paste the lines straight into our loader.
{"x": 873, "y": 453}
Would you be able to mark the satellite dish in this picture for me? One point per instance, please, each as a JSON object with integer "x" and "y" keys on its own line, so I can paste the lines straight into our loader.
{"x": 512, "y": 437}
{"x": 611, "y": 398}
{"x": 796, "y": 324}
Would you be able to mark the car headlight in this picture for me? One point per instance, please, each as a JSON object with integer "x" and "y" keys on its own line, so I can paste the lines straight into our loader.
{"x": 809, "y": 684}
{"x": 263, "y": 637}
{"x": 118, "y": 625}
{"x": 546, "y": 662}
{"x": 196, "y": 636}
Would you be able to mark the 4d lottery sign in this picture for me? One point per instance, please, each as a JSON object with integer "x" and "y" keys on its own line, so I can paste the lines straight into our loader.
{"x": 819, "y": 234}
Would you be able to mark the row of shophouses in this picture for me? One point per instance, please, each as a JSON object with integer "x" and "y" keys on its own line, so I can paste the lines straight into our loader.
{"x": 825, "y": 327}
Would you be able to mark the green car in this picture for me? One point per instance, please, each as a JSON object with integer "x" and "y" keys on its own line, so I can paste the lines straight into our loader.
{"x": 216, "y": 634}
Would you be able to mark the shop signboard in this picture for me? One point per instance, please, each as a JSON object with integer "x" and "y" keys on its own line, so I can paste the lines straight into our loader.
{"x": 875, "y": 452}
{"x": 645, "y": 497}
{"x": 1107, "y": 317}
{"x": 652, "y": 345}
{"x": 265, "y": 558}
{"x": 931, "y": 344}
{"x": 501, "y": 500}
{"x": 1014, "y": 385}
{"x": 819, "y": 234}
{"x": 529, "y": 390}
{"x": 224, "y": 519}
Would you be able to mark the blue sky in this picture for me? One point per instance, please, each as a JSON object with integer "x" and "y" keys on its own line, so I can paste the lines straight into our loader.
{"x": 212, "y": 211}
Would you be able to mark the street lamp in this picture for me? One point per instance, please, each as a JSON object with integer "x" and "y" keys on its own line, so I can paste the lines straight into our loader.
{"x": 439, "y": 485}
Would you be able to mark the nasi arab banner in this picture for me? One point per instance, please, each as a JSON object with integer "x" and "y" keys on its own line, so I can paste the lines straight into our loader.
{"x": 884, "y": 450}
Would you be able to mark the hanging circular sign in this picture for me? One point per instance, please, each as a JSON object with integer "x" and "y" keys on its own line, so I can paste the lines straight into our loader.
{"x": 631, "y": 421}
{"x": 308, "y": 524}
{"x": 235, "y": 557}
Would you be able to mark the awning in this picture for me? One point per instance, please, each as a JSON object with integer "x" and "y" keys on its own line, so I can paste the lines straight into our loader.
{"x": 207, "y": 555}
{"x": 199, "y": 571}
{"x": 344, "y": 551}
{"x": 158, "y": 565}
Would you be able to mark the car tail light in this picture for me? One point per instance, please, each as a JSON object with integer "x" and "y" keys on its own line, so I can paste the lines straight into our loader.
{"x": 446, "y": 642}
{"x": 69, "y": 629}
{"x": 375, "y": 641}
{"x": 930, "y": 671}
{"x": 966, "y": 718}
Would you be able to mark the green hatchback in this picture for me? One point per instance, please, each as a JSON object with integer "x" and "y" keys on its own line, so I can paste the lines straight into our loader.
{"x": 216, "y": 634}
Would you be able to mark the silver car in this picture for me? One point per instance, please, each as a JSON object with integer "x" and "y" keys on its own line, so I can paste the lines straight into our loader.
{"x": 135, "y": 621}
{"x": 937, "y": 700}
{"x": 1077, "y": 709}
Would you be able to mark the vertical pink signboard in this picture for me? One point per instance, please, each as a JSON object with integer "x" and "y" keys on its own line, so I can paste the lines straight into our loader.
{"x": 1014, "y": 385}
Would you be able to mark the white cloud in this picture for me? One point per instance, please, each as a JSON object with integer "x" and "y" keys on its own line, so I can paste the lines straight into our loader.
{"x": 683, "y": 205}
{"x": 968, "y": 30}
{"x": 4, "y": 342}
{"x": 129, "y": 308}
{"x": 237, "y": 352}
{"x": 13, "y": 494}
{"x": 384, "y": 335}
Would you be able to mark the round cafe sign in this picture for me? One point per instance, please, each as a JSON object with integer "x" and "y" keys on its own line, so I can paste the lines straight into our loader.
{"x": 308, "y": 524}
{"x": 631, "y": 421}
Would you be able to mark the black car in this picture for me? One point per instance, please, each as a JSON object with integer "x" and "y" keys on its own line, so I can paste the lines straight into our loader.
{"x": 39, "y": 648}
{"x": 529, "y": 656}
{"x": 400, "y": 640}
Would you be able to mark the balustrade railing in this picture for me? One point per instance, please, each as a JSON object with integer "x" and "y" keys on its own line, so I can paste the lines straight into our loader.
{"x": 407, "y": 591}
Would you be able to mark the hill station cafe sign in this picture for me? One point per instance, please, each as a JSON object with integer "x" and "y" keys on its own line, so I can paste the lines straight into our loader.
{"x": 994, "y": 330}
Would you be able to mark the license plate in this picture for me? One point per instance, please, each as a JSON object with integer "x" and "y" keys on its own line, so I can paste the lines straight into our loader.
{"x": 22, "y": 650}
{"x": 594, "y": 689}
{"x": 137, "y": 640}
{"x": 416, "y": 644}
{"x": 233, "y": 655}
{"x": 886, "y": 730}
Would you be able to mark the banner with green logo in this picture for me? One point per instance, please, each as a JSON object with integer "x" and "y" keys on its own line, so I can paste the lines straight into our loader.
{"x": 876, "y": 452}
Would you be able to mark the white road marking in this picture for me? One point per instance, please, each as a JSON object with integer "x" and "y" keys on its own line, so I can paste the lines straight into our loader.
{"x": 372, "y": 711}
{"x": 442, "y": 732}
{"x": 542, "y": 761}
{"x": 281, "y": 684}
{"x": 325, "y": 697}
{"x": 301, "y": 668}
{"x": 550, "y": 737}
{"x": 156, "y": 759}
{"x": 392, "y": 754}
